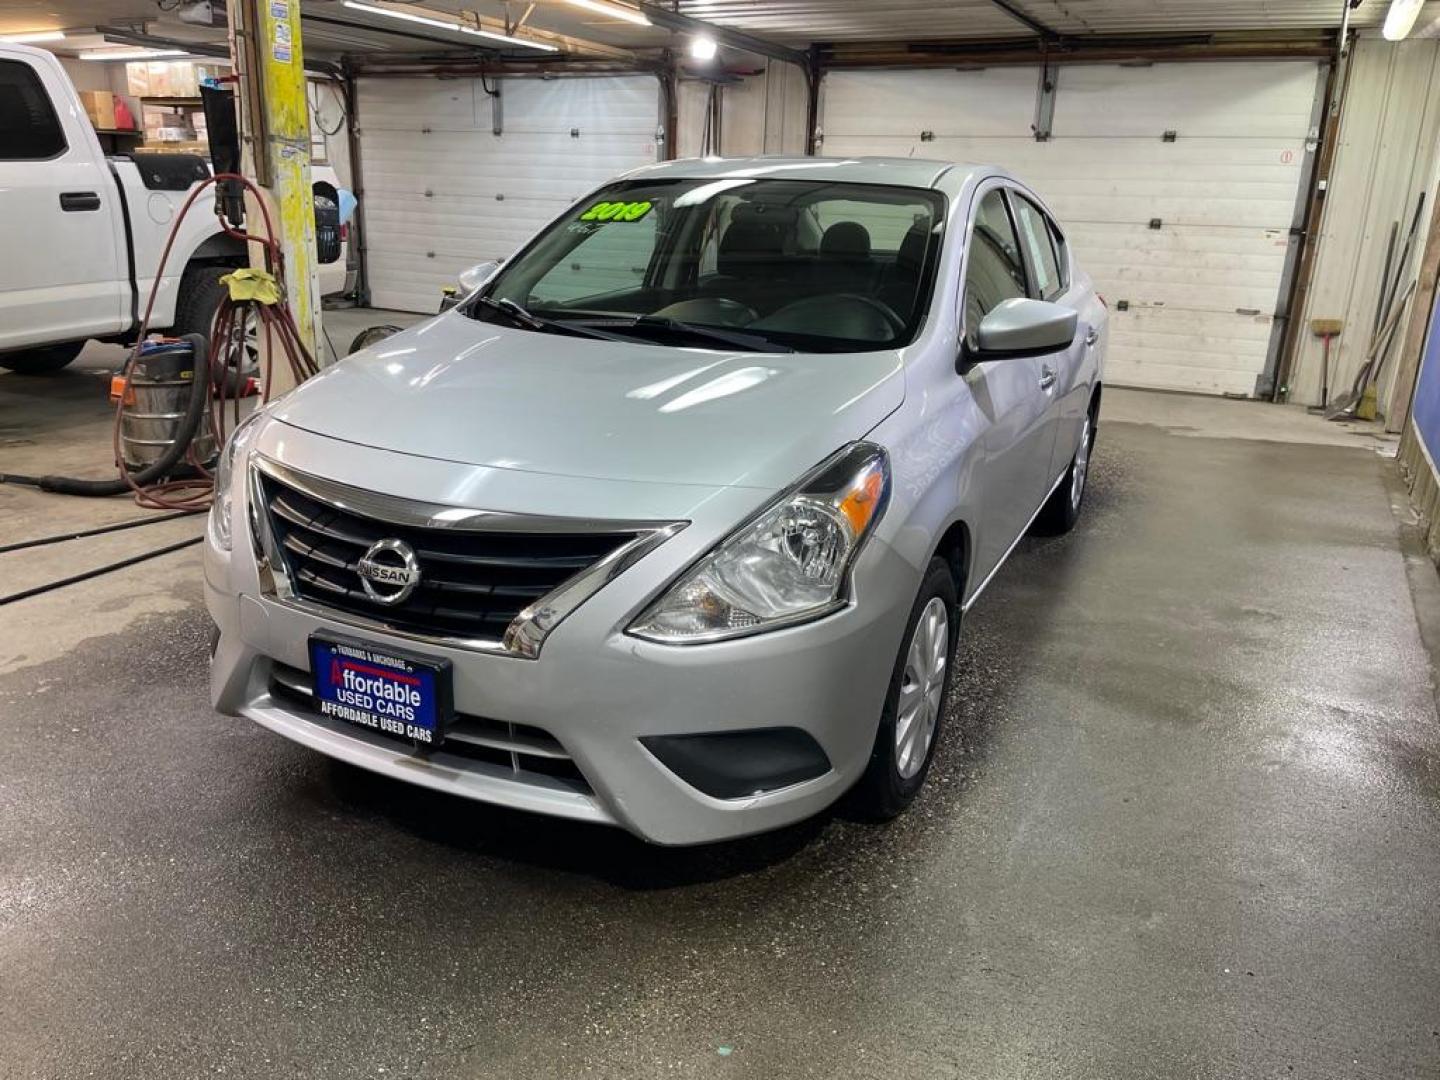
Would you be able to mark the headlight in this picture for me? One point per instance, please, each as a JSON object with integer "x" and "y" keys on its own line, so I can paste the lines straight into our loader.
{"x": 788, "y": 564}
{"x": 220, "y": 505}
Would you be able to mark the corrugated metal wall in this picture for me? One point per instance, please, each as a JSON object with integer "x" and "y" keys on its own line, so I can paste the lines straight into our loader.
{"x": 443, "y": 192}
{"x": 1384, "y": 159}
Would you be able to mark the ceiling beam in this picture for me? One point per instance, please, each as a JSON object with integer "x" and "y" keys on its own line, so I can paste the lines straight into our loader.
{"x": 1026, "y": 20}
{"x": 124, "y": 36}
{"x": 1110, "y": 49}
{"x": 736, "y": 39}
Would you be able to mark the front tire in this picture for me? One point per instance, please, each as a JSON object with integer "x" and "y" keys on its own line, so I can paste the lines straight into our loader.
{"x": 46, "y": 361}
{"x": 910, "y": 721}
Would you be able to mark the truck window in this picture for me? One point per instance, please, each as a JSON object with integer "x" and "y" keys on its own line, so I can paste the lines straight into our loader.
{"x": 29, "y": 128}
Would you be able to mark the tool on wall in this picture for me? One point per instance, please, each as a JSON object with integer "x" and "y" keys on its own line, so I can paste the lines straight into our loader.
{"x": 1359, "y": 402}
{"x": 1327, "y": 330}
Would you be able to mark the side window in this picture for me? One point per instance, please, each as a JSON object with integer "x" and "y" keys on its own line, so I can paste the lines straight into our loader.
{"x": 1062, "y": 253}
{"x": 29, "y": 128}
{"x": 1044, "y": 266}
{"x": 613, "y": 256}
{"x": 993, "y": 270}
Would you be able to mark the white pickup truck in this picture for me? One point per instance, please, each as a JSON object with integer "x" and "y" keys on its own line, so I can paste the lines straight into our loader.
{"x": 81, "y": 233}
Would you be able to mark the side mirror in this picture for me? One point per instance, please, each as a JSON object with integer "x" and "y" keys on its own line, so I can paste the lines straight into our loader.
{"x": 477, "y": 275}
{"x": 1022, "y": 327}
{"x": 466, "y": 284}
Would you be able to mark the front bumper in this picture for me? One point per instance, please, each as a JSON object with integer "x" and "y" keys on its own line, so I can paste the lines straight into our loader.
{"x": 596, "y": 693}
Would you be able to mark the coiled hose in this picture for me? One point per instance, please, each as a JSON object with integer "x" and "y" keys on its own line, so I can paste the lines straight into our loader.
{"x": 226, "y": 348}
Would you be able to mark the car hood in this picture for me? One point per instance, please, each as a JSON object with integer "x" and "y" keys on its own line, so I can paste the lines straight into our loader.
{"x": 472, "y": 392}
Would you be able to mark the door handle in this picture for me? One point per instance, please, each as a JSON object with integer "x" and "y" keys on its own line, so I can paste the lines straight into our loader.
{"x": 79, "y": 200}
{"x": 1092, "y": 337}
{"x": 1047, "y": 378}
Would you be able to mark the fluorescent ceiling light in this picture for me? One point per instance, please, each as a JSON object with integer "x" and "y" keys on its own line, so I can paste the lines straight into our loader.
{"x": 454, "y": 28}
{"x": 1401, "y": 18}
{"x": 703, "y": 47}
{"x": 130, "y": 54}
{"x": 615, "y": 11}
{"x": 31, "y": 39}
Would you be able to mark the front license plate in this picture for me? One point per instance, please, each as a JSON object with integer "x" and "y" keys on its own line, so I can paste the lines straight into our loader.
{"x": 405, "y": 697}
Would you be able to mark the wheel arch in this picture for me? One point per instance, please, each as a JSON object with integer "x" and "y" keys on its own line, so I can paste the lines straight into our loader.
{"x": 217, "y": 247}
{"x": 956, "y": 549}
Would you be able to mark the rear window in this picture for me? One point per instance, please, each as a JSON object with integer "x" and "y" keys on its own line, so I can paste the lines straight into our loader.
{"x": 29, "y": 128}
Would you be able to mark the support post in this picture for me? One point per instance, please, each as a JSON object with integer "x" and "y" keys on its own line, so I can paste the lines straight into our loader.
{"x": 275, "y": 153}
{"x": 812, "y": 70}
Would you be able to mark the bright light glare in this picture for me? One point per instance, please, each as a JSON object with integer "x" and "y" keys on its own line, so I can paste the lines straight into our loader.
{"x": 35, "y": 38}
{"x": 1401, "y": 18}
{"x": 615, "y": 11}
{"x": 454, "y": 28}
{"x": 130, "y": 54}
{"x": 703, "y": 47}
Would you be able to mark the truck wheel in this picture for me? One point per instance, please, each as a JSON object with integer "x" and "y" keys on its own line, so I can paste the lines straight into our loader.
{"x": 45, "y": 361}
{"x": 200, "y": 294}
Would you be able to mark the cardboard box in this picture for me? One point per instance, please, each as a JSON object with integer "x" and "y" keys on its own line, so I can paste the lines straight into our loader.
{"x": 138, "y": 77}
{"x": 159, "y": 75}
{"x": 100, "y": 107}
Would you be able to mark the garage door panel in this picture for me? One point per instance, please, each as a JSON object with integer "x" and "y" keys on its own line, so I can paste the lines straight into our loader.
{"x": 1148, "y": 372}
{"x": 417, "y": 227}
{"x": 475, "y": 163}
{"x": 488, "y": 194}
{"x": 997, "y": 101}
{"x": 1237, "y": 99}
{"x": 1224, "y": 191}
{"x": 407, "y": 104}
{"x": 1221, "y": 213}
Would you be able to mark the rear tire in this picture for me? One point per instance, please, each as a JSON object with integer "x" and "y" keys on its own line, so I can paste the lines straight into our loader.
{"x": 1062, "y": 510}
{"x": 910, "y": 721}
{"x": 46, "y": 361}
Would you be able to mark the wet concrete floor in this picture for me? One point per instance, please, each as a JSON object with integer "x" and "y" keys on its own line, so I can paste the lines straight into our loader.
{"x": 1185, "y": 822}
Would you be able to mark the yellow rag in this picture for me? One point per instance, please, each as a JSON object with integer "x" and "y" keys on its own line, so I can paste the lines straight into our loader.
{"x": 250, "y": 284}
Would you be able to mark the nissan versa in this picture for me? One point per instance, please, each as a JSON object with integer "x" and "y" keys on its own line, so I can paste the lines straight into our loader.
{"x": 670, "y": 522}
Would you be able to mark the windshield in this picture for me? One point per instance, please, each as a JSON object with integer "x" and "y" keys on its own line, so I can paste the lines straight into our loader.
{"x": 735, "y": 263}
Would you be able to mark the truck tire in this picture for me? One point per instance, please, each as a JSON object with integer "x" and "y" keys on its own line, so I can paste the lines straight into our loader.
{"x": 200, "y": 294}
{"x": 46, "y": 361}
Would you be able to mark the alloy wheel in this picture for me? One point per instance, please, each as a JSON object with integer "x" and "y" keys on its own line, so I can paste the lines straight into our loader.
{"x": 1081, "y": 466}
{"x": 922, "y": 688}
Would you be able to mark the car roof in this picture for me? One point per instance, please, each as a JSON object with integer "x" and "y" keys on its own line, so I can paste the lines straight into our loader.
{"x": 947, "y": 176}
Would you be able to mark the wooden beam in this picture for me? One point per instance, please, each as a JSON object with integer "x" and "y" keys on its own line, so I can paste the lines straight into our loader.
{"x": 1412, "y": 341}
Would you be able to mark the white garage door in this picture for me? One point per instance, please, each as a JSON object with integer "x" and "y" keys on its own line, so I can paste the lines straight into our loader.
{"x": 443, "y": 192}
{"x": 1186, "y": 239}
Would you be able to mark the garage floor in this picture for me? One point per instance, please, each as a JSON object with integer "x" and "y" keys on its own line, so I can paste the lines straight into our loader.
{"x": 1184, "y": 823}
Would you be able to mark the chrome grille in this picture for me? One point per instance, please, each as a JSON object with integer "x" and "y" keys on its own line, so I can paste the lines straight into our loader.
{"x": 473, "y": 582}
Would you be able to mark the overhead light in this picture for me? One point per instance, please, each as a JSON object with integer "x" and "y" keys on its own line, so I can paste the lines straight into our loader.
{"x": 1401, "y": 18}
{"x": 615, "y": 11}
{"x": 130, "y": 54}
{"x": 32, "y": 39}
{"x": 454, "y": 28}
{"x": 703, "y": 47}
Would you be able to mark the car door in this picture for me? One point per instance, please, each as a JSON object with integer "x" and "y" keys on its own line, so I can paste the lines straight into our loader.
{"x": 58, "y": 213}
{"x": 1016, "y": 445}
{"x": 1064, "y": 369}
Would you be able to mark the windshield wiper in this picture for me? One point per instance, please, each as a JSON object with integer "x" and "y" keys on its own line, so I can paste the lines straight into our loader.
{"x": 518, "y": 316}
{"x": 749, "y": 342}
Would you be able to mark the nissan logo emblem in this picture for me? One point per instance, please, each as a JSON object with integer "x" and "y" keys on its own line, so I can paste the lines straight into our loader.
{"x": 389, "y": 571}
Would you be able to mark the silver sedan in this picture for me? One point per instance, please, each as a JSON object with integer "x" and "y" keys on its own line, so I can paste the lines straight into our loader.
{"x": 670, "y": 522}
